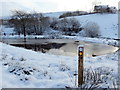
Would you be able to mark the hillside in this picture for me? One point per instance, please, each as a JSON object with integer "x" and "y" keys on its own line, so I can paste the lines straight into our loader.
{"x": 108, "y": 23}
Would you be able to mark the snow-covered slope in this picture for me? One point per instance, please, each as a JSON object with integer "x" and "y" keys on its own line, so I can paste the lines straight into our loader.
{"x": 23, "y": 68}
{"x": 108, "y": 23}
{"x": 53, "y": 14}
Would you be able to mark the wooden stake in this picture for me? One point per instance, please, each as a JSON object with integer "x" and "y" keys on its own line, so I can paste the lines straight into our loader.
{"x": 80, "y": 64}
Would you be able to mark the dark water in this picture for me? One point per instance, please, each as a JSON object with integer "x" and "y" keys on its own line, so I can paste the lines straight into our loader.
{"x": 67, "y": 47}
{"x": 41, "y": 47}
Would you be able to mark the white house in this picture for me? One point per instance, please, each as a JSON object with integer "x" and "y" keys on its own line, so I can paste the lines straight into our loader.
{"x": 105, "y": 9}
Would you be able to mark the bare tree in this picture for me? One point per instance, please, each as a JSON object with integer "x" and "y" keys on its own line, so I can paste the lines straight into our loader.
{"x": 75, "y": 25}
{"x": 27, "y": 23}
{"x": 67, "y": 25}
{"x": 34, "y": 23}
{"x": 19, "y": 19}
{"x": 45, "y": 24}
{"x": 54, "y": 23}
{"x": 70, "y": 25}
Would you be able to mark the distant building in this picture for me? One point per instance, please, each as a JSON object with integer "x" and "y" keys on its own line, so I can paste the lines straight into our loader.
{"x": 104, "y": 9}
{"x": 112, "y": 9}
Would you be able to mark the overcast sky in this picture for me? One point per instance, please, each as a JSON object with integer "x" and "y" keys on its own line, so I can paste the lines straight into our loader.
{"x": 6, "y": 6}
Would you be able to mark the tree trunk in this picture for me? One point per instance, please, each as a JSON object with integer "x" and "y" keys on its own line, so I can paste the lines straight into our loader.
{"x": 24, "y": 32}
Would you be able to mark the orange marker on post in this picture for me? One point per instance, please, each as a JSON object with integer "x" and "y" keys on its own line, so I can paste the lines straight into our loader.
{"x": 80, "y": 64}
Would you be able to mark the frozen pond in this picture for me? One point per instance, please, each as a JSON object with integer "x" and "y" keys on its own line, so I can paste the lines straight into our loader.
{"x": 67, "y": 47}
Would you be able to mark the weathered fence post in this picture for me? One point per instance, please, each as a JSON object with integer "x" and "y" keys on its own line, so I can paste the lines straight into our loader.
{"x": 80, "y": 64}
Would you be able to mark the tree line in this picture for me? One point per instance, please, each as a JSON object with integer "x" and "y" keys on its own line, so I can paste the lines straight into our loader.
{"x": 37, "y": 24}
{"x": 25, "y": 23}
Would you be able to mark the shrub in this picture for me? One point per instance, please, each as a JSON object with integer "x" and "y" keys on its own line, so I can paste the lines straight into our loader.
{"x": 101, "y": 77}
{"x": 91, "y": 29}
{"x": 66, "y": 25}
{"x": 75, "y": 13}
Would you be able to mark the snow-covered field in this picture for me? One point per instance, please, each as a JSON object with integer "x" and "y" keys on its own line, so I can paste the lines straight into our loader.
{"x": 108, "y": 23}
{"x": 23, "y": 68}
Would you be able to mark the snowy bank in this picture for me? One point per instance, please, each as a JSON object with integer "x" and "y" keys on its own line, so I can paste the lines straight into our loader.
{"x": 28, "y": 69}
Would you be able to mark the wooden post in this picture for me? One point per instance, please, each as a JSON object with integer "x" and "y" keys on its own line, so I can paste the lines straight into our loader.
{"x": 80, "y": 64}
